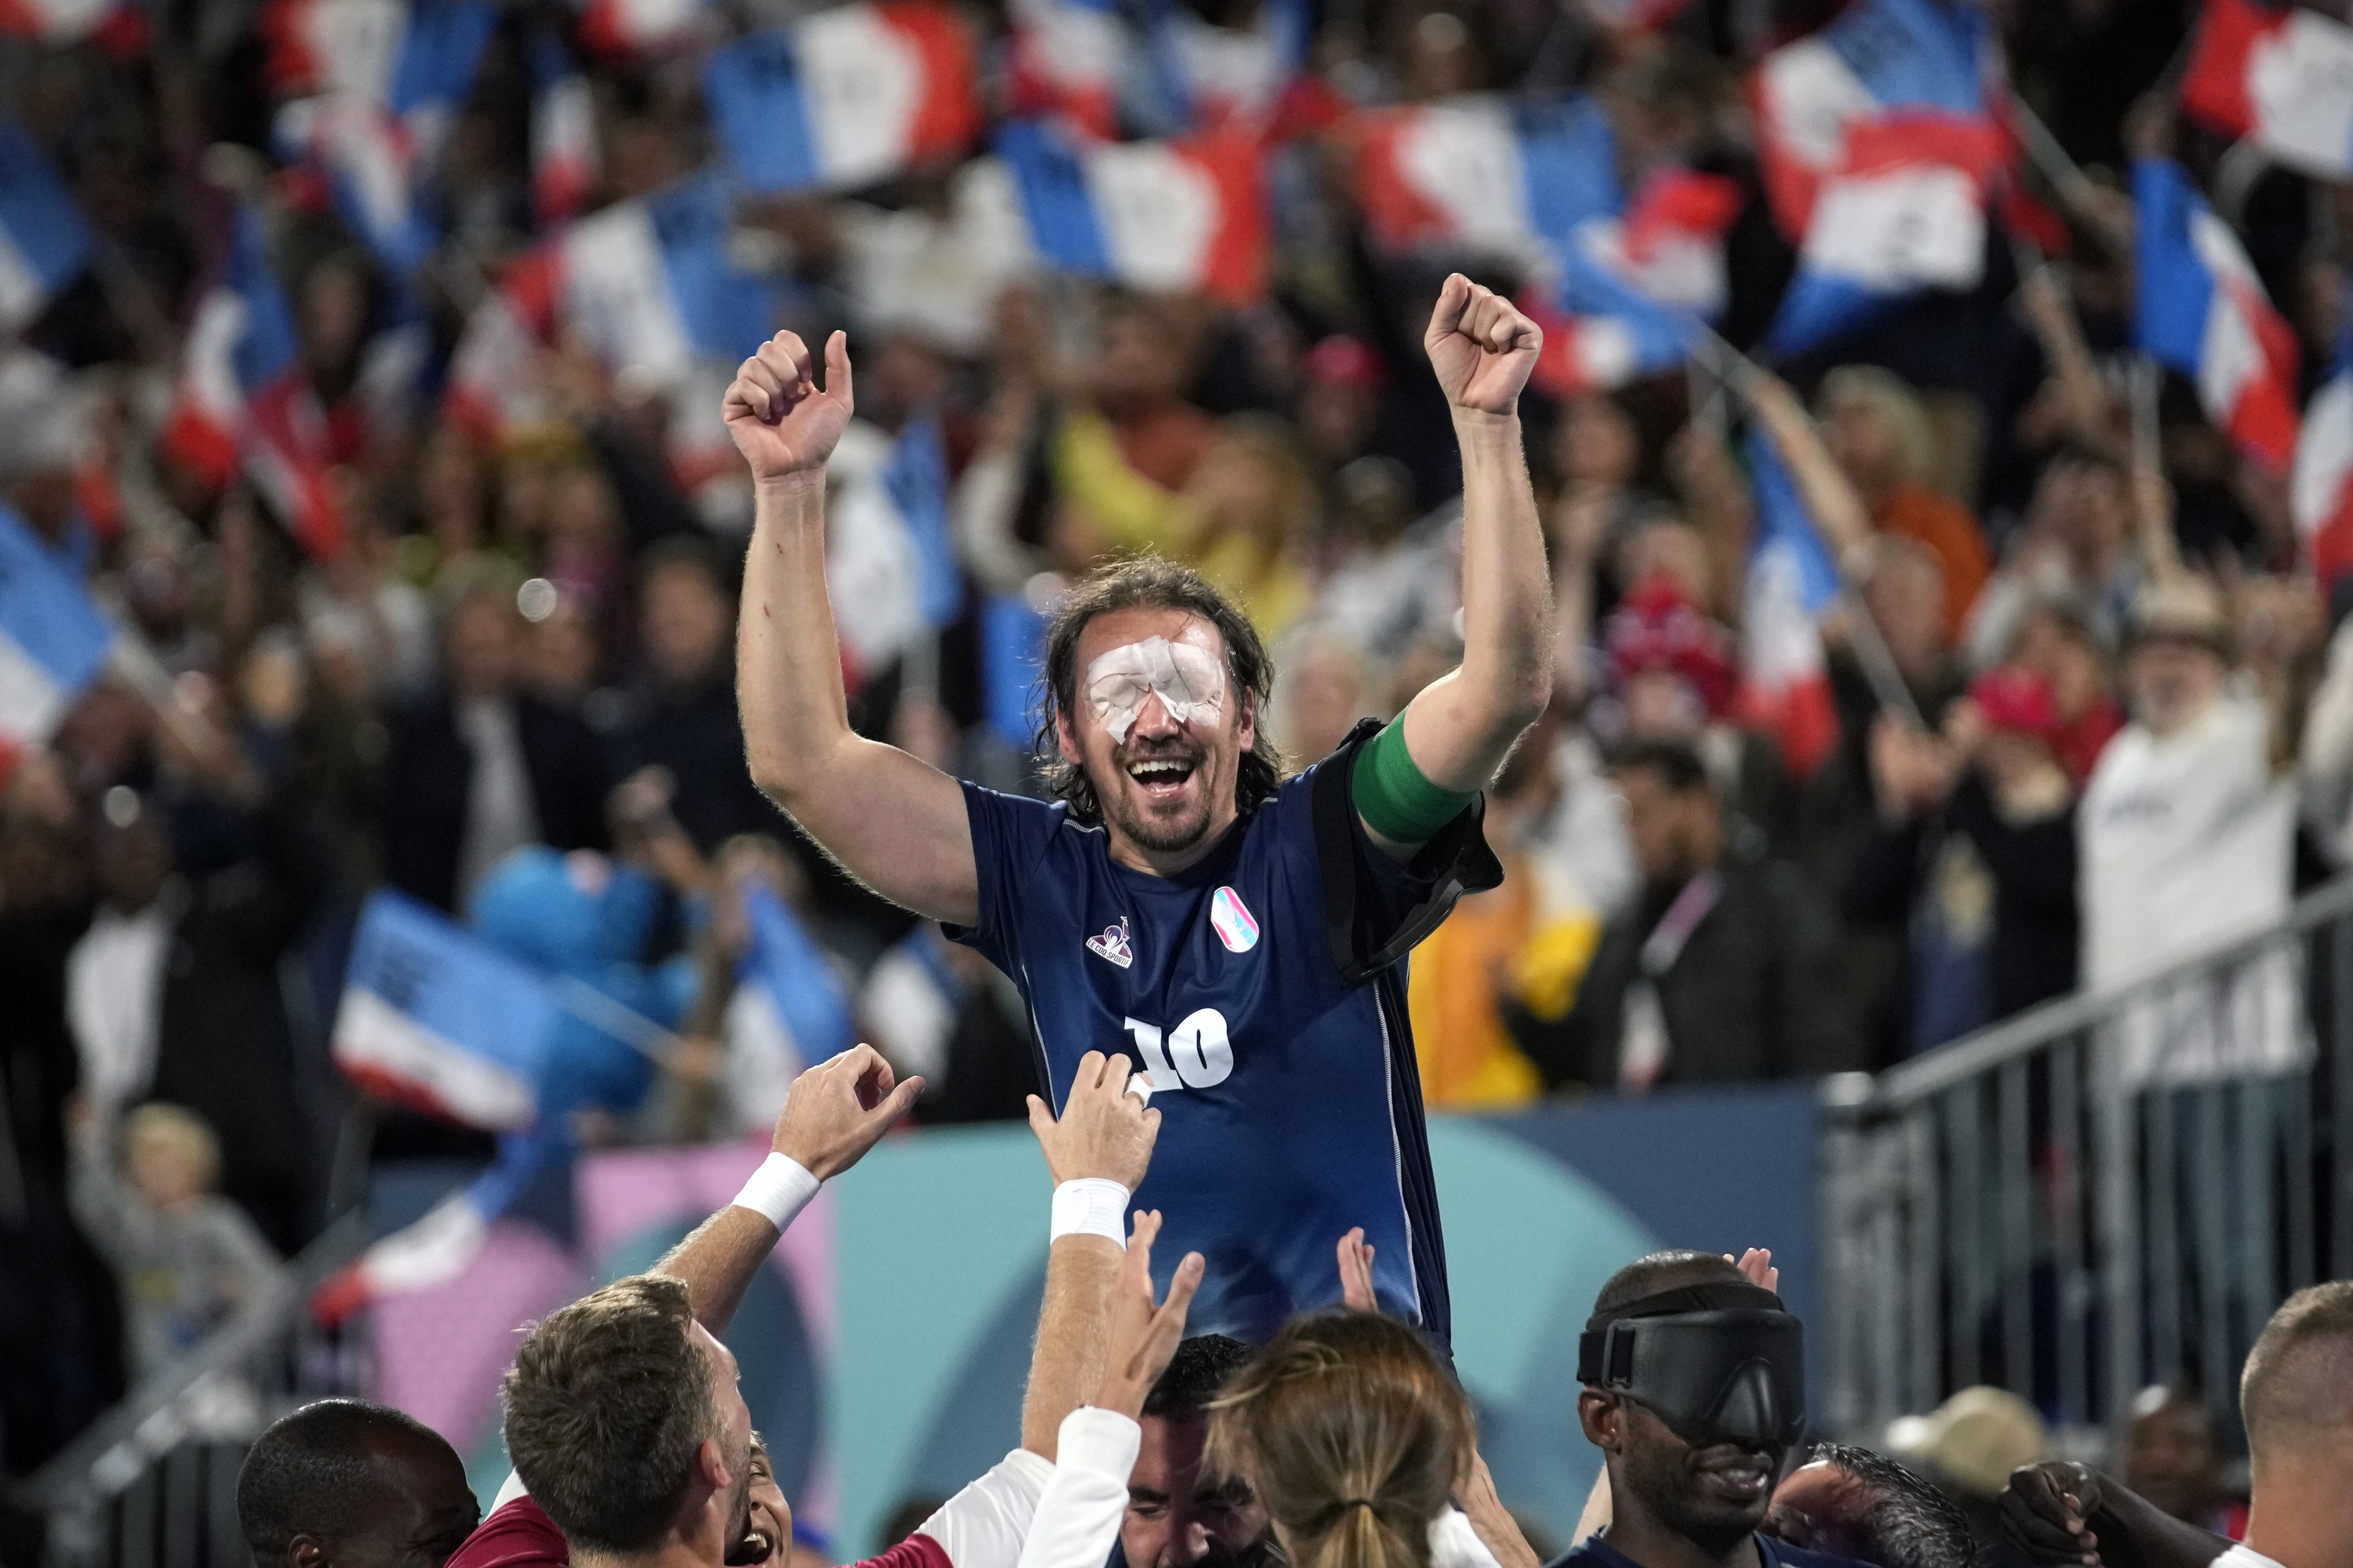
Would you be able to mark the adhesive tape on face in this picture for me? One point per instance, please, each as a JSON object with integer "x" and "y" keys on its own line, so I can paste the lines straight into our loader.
{"x": 1190, "y": 681}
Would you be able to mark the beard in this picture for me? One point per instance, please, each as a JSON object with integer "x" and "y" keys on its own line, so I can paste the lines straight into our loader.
{"x": 739, "y": 1498}
{"x": 1263, "y": 1552}
{"x": 1132, "y": 816}
{"x": 1664, "y": 1487}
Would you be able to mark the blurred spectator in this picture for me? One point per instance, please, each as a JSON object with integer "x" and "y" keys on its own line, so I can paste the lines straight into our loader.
{"x": 188, "y": 1257}
{"x": 1725, "y": 968}
{"x": 476, "y": 767}
{"x": 1875, "y": 426}
{"x": 1141, "y": 373}
{"x": 1974, "y": 859}
{"x": 2173, "y": 1456}
{"x": 2075, "y": 545}
{"x": 2058, "y": 640}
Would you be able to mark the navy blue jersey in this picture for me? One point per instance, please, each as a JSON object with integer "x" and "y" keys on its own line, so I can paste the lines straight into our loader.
{"x": 1595, "y": 1553}
{"x": 1267, "y": 999}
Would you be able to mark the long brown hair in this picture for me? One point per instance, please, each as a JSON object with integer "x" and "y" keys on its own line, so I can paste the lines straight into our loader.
{"x": 1353, "y": 1435}
{"x": 1151, "y": 583}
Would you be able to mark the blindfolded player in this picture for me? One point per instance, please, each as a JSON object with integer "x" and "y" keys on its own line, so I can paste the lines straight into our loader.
{"x": 1234, "y": 933}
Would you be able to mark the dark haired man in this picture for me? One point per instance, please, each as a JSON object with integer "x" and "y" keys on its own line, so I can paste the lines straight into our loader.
{"x": 1236, "y": 932}
{"x": 1855, "y": 1503}
{"x": 1176, "y": 1516}
{"x": 342, "y": 1483}
{"x": 1694, "y": 1390}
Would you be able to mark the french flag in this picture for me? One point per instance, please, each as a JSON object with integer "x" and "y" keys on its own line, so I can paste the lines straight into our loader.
{"x": 1906, "y": 211}
{"x": 418, "y": 60}
{"x": 434, "y": 1017}
{"x": 44, "y": 243}
{"x": 2203, "y": 312}
{"x": 846, "y": 96}
{"x": 1670, "y": 244}
{"x": 1792, "y": 581}
{"x": 792, "y": 975}
{"x": 639, "y": 26}
{"x": 1065, "y": 62}
{"x": 494, "y": 381}
{"x": 890, "y": 554}
{"x": 1879, "y": 55}
{"x": 564, "y": 164}
{"x": 1187, "y": 216}
{"x": 53, "y": 641}
{"x": 369, "y": 157}
{"x": 648, "y": 282}
{"x": 1481, "y": 174}
{"x": 245, "y": 398}
{"x": 2320, "y": 491}
{"x": 2282, "y": 78}
{"x": 1601, "y": 329}
{"x": 1210, "y": 77}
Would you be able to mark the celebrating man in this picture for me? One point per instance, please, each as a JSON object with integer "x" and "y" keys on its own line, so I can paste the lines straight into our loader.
{"x": 1234, "y": 931}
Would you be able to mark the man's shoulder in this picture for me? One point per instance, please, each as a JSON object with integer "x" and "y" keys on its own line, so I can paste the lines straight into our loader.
{"x": 1770, "y": 1552}
{"x": 519, "y": 1535}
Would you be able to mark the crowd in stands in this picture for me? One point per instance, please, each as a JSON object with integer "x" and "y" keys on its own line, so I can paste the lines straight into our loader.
{"x": 2088, "y": 703}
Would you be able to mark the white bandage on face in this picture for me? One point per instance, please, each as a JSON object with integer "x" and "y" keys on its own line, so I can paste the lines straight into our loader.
{"x": 1190, "y": 681}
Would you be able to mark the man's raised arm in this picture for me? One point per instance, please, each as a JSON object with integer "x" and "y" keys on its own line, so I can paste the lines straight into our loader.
{"x": 897, "y": 823}
{"x": 1459, "y": 729}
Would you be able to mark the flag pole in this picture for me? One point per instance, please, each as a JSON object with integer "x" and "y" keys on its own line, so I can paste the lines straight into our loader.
{"x": 624, "y": 1023}
{"x": 1872, "y": 654}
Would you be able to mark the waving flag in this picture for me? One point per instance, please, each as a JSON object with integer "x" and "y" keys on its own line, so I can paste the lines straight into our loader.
{"x": 889, "y": 562}
{"x": 1481, "y": 174}
{"x": 1669, "y": 246}
{"x": 57, "y": 21}
{"x": 563, "y": 160}
{"x": 650, "y": 283}
{"x": 494, "y": 381}
{"x": 846, "y": 96}
{"x": 434, "y": 1017}
{"x": 2282, "y": 78}
{"x": 1187, "y": 216}
{"x": 53, "y": 641}
{"x": 2203, "y": 312}
{"x": 792, "y": 974}
{"x": 1792, "y": 580}
{"x": 368, "y": 155}
{"x": 1906, "y": 211}
{"x": 635, "y": 27}
{"x": 2320, "y": 492}
{"x": 1210, "y": 77}
{"x": 1879, "y": 55}
{"x": 418, "y": 60}
{"x": 1600, "y": 329}
{"x": 245, "y": 398}
{"x": 1065, "y": 62}
{"x": 44, "y": 243}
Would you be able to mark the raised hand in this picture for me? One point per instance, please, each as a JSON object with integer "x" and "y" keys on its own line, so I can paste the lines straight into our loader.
{"x": 1481, "y": 346}
{"x": 837, "y": 1110}
{"x": 782, "y": 424}
{"x": 1143, "y": 1336}
{"x": 1756, "y": 1265}
{"x": 1104, "y": 1130}
{"x": 1355, "y": 1256}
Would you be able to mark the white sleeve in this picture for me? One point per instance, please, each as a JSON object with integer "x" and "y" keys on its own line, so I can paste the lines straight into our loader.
{"x": 984, "y": 1525}
{"x": 1454, "y": 1545}
{"x": 512, "y": 1490}
{"x": 1078, "y": 1519}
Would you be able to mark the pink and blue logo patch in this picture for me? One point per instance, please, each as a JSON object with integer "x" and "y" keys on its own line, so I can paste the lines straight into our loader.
{"x": 1236, "y": 927}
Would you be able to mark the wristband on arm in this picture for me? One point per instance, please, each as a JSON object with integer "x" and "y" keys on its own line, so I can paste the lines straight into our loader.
{"x": 778, "y": 1190}
{"x": 1090, "y": 1205}
{"x": 1394, "y": 797}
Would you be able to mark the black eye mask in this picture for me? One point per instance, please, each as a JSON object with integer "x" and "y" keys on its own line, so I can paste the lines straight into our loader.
{"x": 1716, "y": 1362}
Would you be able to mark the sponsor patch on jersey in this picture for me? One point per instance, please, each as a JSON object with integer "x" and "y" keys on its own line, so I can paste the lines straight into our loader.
{"x": 1111, "y": 944}
{"x": 1237, "y": 928}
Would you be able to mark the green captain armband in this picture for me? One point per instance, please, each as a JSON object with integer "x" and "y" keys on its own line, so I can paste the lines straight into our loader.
{"x": 1394, "y": 797}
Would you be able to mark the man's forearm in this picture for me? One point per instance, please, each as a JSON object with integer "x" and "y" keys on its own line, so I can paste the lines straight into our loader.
{"x": 718, "y": 1261}
{"x": 1067, "y": 1365}
{"x": 788, "y": 657}
{"x": 1506, "y": 675}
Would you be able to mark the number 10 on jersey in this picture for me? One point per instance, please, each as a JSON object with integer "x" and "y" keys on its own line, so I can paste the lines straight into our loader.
{"x": 1195, "y": 1054}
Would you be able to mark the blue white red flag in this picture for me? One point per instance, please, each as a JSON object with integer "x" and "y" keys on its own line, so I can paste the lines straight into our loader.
{"x": 1600, "y": 330}
{"x": 638, "y": 26}
{"x": 888, "y": 561}
{"x": 1065, "y": 62}
{"x": 846, "y": 96}
{"x": 53, "y": 641}
{"x": 1879, "y": 57}
{"x": 792, "y": 973}
{"x": 1187, "y": 216}
{"x": 435, "y": 1017}
{"x": 564, "y": 164}
{"x": 1792, "y": 581}
{"x": 2203, "y": 312}
{"x": 1481, "y": 174}
{"x": 1906, "y": 211}
{"x": 650, "y": 285}
{"x": 2281, "y": 77}
{"x": 1211, "y": 77}
{"x": 2320, "y": 490}
{"x": 245, "y": 398}
{"x": 44, "y": 243}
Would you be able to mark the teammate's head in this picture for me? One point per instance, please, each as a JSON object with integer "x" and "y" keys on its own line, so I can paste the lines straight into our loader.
{"x": 1712, "y": 1492}
{"x": 1851, "y": 1502}
{"x": 2296, "y": 1394}
{"x": 1178, "y": 1514}
{"x": 346, "y": 1484}
{"x": 623, "y": 1420}
{"x": 1353, "y": 1436}
{"x": 1202, "y": 765}
{"x": 768, "y": 1534}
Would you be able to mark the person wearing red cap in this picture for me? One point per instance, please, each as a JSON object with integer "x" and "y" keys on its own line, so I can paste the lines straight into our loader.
{"x": 1974, "y": 857}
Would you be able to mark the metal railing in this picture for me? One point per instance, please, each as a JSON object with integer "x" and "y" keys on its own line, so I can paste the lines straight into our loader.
{"x": 2113, "y": 1190}
{"x": 153, "y": 1482}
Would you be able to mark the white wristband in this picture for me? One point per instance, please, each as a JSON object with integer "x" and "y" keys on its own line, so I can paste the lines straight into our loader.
{"x": 778, "y": 1190}
{"x": 1091, "y": 1205}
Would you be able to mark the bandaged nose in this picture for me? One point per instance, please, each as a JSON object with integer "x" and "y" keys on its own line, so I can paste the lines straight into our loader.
{"x": 1190, "y": 681}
